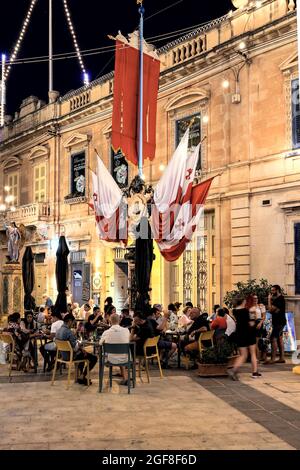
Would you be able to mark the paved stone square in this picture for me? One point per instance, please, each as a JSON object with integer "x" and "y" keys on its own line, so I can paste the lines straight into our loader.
{"x": 179, "y": 412}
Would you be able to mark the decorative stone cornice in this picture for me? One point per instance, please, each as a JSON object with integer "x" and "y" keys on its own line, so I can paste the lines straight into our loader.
{"x": 187, "y": 97}
{"x": 40, "y": 151}
{"x": 12, "y": 162}
{"x": 290, "y": 206}
{"x": 77, "y": 139}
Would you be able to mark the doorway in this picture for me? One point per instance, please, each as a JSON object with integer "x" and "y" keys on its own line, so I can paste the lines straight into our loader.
{"x": 77, "y": 282}
{"x": 121, "y": 285}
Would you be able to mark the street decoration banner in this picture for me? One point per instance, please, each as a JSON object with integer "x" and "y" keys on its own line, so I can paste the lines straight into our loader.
{"x": 125, "y": 132}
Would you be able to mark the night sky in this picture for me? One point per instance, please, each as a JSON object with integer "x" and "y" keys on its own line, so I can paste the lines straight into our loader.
{"x": 93, "y": 21}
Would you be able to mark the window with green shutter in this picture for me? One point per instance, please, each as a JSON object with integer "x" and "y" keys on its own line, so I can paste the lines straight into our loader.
{"x": 295, "y": 113}
{"x": 297, "y": 259}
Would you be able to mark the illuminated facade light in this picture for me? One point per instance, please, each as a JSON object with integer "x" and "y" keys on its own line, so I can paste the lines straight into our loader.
{"x": 225, "y": 83}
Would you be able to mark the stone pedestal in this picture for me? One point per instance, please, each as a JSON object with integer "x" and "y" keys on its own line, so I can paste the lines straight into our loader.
{"x": 12, "y": 289}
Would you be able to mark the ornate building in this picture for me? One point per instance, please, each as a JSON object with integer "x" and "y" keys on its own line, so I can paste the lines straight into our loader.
{"x": 238, "y": 77}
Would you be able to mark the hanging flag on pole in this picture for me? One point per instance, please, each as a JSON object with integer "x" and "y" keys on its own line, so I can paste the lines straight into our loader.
{"x": 125, "y": 128}
{"x": 108, "y": 206}
{"x": 186, "y": 223}
{"x": 177, "y": 204}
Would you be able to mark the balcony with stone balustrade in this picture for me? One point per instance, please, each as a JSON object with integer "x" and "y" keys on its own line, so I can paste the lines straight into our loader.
{"x": 28, "y": 214}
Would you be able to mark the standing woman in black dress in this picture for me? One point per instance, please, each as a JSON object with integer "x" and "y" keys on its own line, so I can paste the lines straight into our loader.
{"x": 246, "y": 338}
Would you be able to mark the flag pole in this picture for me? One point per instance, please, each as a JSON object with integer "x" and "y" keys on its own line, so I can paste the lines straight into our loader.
{"x": 3, "y": 90}
{"x": 298, "y": 34}
{"x": 50, "y": 47}
{"x": 141, "y": 30}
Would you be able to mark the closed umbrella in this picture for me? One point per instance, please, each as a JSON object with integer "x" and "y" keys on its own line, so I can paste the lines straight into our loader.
{"x": 61, "y": 273}
{"x": 28, "y": 278}
{"x": 143, "y": 267}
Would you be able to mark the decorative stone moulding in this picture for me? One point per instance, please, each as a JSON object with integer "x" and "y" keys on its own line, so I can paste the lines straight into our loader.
{"x": 240, "y": 3}
{"x": 75, "y": 200}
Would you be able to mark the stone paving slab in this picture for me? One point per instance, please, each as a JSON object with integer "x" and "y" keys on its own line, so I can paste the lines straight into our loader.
{"x": 180, "y": 412}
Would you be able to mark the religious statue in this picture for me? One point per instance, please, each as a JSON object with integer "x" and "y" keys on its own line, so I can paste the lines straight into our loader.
{"x": 138, "y": 197}
{"x": 14, "y": 240}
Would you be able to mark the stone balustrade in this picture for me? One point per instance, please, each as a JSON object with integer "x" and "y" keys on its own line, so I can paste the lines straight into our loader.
{"x": 30, "y": 213}
{"x": 81, "y": 100}
{"x": 189, "y": 50}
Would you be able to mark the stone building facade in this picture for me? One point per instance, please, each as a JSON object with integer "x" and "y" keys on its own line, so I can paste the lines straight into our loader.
{"x": 238, "y": 77}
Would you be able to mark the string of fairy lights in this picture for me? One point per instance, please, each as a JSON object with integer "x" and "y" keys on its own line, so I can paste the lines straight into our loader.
{"x": 20, "y": 38}
{"x": 13, "y": 57}
{"x": 75, "y": 42}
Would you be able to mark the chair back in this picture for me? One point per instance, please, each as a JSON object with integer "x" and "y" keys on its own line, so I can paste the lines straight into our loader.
{"x": 63, "y": 346}
{"x": 151, "y": 343}
{"x": 206, "y": 336}
{"x": 7, "y": 338}
{"x": 120, "y": 348}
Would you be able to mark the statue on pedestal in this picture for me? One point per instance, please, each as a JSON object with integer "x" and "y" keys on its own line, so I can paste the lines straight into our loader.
{"x": 13, "y": 244}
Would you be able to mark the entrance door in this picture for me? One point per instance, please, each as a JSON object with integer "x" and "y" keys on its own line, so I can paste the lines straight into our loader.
{"x": 77, "y": 282}
{"x": 121, "y": 285}
{"x": 40, "y": 283}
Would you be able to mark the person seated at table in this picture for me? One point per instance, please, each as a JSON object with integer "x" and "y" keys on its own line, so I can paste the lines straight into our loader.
{"x": 41, "y": 316}
{"x": 200, "y": 324}
{"x": 158, "y": 313}
{"x": 126, "y": 320}
{"x": 75, "y": 310}
{"x": 213, "y": 316}
{"x": 219, "y": 324}
{"x": 85, "y": 311}
{"x": 173, "y": 318}
{"x": 29, "y": 326}
{"x": 116, "y": 334}
{"x": 65, "y": 334}
{"x": 142, "y": 329}
{"x": 185, "y": 320}
{"x": 50, "y": 347}
{"x": 165, "y": 346}
{"x": 108, "y": 304}
{"x": 93, "y": 321}
{"x": 21, "y": 338}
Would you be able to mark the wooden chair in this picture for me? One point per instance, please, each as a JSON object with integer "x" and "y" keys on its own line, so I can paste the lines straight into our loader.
{"x": 150, "y": 343}
{"x": 206, "y": 336}
{"x": 122, "y": 348}
{"x": 7, "y": 338}
{"x": 65, "y": 347}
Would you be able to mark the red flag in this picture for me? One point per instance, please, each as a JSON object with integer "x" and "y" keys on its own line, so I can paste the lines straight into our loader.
{"x": 186, "y": 223}
{"x": 126, "y": 102}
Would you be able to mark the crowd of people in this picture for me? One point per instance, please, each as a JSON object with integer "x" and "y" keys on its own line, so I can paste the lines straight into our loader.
{"x": 178, "y": 328}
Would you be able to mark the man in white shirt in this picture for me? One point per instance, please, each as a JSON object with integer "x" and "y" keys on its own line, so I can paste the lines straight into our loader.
{"x": 56, "y": 324}
{"x": 116, "y": 334}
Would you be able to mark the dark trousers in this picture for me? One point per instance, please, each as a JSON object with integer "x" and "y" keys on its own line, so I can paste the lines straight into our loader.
{"x": 91, "y": 358}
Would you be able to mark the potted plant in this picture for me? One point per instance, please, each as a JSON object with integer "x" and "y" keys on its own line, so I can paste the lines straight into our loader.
{"x": 260, "y": 288}
{"x": 214, "y": 361}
